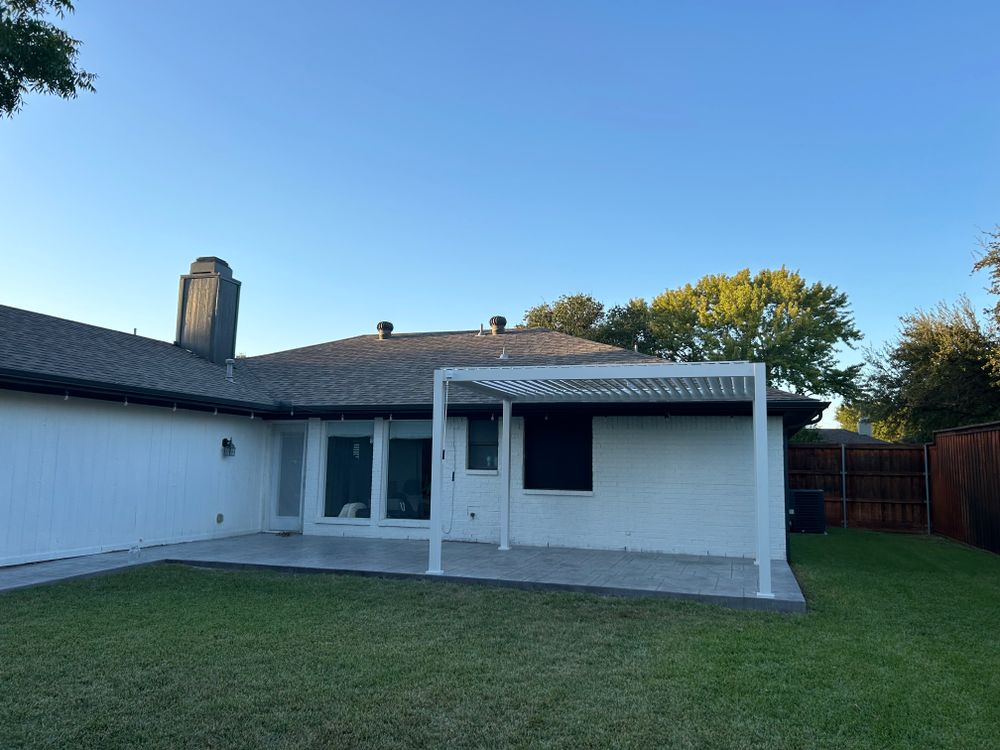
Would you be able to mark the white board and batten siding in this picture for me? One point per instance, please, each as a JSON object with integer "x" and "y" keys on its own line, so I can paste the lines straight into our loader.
{"x": 82, "y": 476}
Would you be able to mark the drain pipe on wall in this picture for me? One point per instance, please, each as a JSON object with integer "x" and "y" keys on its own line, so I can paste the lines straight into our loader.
{"x": 843, "y": 483}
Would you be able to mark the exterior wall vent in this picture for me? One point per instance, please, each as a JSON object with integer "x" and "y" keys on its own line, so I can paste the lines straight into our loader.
{"x": 498, "y": 324}
{"x": 384, "y": 329}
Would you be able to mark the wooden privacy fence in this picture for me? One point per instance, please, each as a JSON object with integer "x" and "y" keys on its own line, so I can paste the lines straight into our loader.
{"x": 866, "y": 486}
{"x": 965, "y": 484}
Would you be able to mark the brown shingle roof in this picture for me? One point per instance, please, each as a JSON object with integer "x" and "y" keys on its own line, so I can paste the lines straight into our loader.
{"x": 398, "y": 371}
{"x": 365, "y": 371}
{"x": 45, "y": 348}
{"x": 362, "y": 371}
{"x": 838, "y": 435}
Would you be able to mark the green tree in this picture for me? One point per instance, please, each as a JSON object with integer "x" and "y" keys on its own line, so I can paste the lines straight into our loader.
{"x": 575, "y": 314}
{"x": 773, "y": 317}
{"x": 627, "y": 326}
{"x": 936, "y": 375}
{"x": 806, "y": 435}
{"x": 989, "y": 261}
{"x": 37, "y": 56}
{"x": 848, "y": 416}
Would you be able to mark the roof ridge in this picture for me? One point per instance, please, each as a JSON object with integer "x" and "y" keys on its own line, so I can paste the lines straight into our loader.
{"x": 473, "y": 332}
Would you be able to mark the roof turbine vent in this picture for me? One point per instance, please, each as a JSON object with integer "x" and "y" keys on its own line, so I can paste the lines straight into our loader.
{"x": 384, "y": 329}
{"x": 497, "y": 324}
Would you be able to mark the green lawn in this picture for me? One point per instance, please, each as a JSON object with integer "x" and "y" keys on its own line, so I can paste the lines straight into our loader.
{"x": 901, "y": 648}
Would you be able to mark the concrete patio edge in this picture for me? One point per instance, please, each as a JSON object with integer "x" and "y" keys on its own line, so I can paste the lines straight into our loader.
{"x": 730, "y": 602}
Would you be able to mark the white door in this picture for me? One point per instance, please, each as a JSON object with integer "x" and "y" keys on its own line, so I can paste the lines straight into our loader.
{"x": 289, "y": 460}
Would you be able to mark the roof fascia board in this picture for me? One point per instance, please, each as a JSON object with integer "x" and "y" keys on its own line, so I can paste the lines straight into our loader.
{"x": 13, "y": 379}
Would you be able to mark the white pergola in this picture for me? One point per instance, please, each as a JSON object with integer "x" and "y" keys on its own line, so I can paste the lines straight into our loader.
{"x": 695, "y": 382}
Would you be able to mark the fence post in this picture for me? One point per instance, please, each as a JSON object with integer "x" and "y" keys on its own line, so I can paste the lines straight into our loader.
{"x": 843, "y": 484}
{"x": 927, "y": 489}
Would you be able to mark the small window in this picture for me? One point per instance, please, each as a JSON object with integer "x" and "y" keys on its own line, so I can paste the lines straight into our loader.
{"x": 483, "y": 443}
{"x": 558, "y": 453}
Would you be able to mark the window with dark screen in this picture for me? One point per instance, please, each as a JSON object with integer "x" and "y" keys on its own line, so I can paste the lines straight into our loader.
{"x": 558, "y": 453}
{"x": 483, "y": 443}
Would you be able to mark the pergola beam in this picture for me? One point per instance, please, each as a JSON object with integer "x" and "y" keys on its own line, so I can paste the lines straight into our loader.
{"x": 601, "y": 372}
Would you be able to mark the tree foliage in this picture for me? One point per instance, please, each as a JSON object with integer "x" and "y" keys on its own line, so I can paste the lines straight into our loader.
{"x": 989, "y": 261}
{"x": 37, "y": 56}
{"x": 887, "y": 428}
{"x": 581, "y": 315}
{"x": 628, "y": 326}
{"x": 936, "y": 375}
{"x": 773, "y": 317}
{"x": 575, "y": 314}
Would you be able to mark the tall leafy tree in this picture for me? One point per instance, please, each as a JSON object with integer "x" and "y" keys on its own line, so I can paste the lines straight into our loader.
{"x": 989, "y": 261}
{"x": 774, "y": 317}
{"x": 37, "y": 56}
{"x": 887, "y": 428}
{"x": 936, "y": 375}
{"x": 575, "y": 314}
{"x": 627, "y": 326}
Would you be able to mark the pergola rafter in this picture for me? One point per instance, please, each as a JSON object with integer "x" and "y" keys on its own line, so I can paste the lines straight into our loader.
{"x": 659, "y": 382}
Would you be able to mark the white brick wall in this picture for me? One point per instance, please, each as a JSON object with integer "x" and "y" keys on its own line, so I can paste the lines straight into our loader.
{"x": 682, "y": 485}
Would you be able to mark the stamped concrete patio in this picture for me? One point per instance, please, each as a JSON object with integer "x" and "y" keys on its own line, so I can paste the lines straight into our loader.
{"x": 731, "y": 582}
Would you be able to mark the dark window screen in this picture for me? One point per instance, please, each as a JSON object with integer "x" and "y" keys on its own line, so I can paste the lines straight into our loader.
{"x": 408, "y": 494}
{"x": 483, "y": 439}
{"x": 558, "y": 453}
{"x": 348, "y": 477}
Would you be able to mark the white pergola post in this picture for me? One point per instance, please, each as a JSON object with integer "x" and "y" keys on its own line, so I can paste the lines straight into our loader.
{"x": 437, "y": 473}
{"x": 505, "y": 476}
{"x": 653, "y": 382}
{"x": 760, "y": 482}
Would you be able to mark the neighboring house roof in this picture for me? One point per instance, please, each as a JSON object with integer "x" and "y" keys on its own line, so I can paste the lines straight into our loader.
{"x": 40, "y": 349}
{"x": 839, "y": 436}
{"x": 355, "y": 373}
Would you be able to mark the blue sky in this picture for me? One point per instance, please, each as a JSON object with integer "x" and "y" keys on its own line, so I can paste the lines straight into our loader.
{"x": 435, "y": 163}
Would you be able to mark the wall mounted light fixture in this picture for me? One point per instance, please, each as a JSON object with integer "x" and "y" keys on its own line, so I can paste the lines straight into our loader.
{"x": 228, "y": 447}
